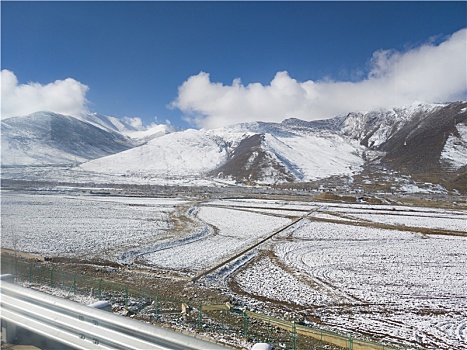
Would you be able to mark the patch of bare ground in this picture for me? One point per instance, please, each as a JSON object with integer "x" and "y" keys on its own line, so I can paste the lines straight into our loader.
{"x": 181, "y": 222}
{"x": 22, "y": 254}
{"x": 165, "y": 284}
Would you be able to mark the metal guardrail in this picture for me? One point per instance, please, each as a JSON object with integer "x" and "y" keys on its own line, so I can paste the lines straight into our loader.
{"x": 83, "y": 327}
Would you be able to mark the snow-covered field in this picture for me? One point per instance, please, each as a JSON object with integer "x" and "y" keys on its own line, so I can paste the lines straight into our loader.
{"x": 401, "y": 285}
{"x": 398, "y": 285}
{"x": 233, "y": 230}
{"x": 446, "y": 223}
{"x": 412, "y": 285}
{"x": 85, "y": 227}
{"x": 80, "y": 176}
{"x": 447, "y": 220}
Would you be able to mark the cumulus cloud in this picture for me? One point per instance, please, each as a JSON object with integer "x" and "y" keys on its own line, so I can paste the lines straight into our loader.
{"x": 134, "y": 122}
{"x": 429, "y": 73}
{"x": 62, "y": 96}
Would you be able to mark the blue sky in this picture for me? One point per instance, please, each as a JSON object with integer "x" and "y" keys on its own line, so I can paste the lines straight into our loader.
{"x": 131, "y": 58}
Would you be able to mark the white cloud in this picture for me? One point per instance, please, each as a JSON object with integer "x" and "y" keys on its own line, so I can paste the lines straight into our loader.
{"x": 62, "y": 96}
{"x": 135, "y": 122}
{"x": 430, "y": 73}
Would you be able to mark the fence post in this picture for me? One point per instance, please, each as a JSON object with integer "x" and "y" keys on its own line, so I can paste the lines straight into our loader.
{"x": 245, "y": 324}
{"x": 126, "y": 297}
{"x": 30, "y": 273}
{"x": 16, "y": 268}
{"x": 157, "y": 307}
{"x": 51, "y": 278}
{"x": 222, "y": 322}
{"x": 200, "y": 315}
{"x": 74, "y": 284}
{"x": 99, "y": 291}
{"x": 350, "y": 342}
{"x": 269, "y": 330}
{"x": 294, "y": 336}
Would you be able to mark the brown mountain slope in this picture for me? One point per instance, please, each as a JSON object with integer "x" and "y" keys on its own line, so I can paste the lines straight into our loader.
{"x": 249, "y": 162}
{"x": 417, "y": 147}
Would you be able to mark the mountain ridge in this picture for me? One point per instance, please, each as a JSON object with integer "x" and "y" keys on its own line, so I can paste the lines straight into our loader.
{"x": 45, "y": 138}
{"x": 428, "y": 141}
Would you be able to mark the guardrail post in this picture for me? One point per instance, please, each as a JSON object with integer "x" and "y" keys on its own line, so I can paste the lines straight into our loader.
{"x": 8, "y": 332}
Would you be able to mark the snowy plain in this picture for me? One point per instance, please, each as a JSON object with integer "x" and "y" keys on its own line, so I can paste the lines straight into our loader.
{"x": 397, "y": 285}
{"x": 226, "y": 238}
{"x": 84, "y": 227}
{"x": 401, "y": 276}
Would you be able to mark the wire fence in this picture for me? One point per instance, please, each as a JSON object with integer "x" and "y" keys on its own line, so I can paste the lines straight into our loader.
{"x": 225, "y": 321}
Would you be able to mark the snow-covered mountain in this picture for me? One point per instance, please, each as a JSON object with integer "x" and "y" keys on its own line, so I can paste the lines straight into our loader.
{"x": 272, "y": 152}
{"x": 419, "y": 138}
{"x": 45, "y": 138}
{"x": 184, "y": 153}
{"x": 423, "y": 140}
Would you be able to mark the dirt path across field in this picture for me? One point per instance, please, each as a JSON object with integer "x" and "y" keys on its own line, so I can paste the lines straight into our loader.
{"x": 21, "y": 254}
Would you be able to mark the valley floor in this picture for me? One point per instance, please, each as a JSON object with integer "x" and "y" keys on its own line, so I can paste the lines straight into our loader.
{"x": 393, "y": 272}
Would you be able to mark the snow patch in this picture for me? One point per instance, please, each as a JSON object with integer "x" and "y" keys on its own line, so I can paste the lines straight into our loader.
{"x": 455, "y": 149}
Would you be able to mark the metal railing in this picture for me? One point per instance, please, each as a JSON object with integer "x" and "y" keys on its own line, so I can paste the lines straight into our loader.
{"x": 83, "y": 327}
